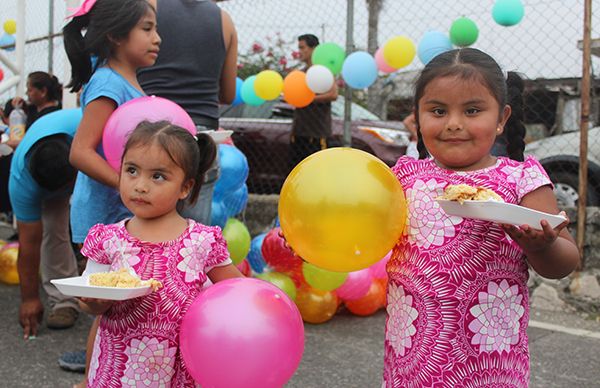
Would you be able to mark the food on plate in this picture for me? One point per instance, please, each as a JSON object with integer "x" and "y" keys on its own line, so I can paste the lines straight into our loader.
{"x": 462, "y": 192}
{"x": 121, "y": 279}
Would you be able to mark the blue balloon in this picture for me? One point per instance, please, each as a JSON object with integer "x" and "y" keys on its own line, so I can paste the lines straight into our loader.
{"x": 218, "y": 214}
{"x": 238, "y": 92}
{"x": 6, "y": 40}
{"x": 255, "y": 257}
{"x": 235, "y": 202}
{"x": 234, "y": 170}
{"x": 508, "y": 12}
{"x": 432, "y": 44}
{"x": 248, "y": 94}
{"x": 359, "y": 70}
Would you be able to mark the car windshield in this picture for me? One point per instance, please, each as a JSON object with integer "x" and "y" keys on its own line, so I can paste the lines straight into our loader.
{"x": 279, "y": 109}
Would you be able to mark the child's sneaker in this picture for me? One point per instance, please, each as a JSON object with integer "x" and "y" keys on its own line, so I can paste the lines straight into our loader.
{"x": 73, "y": 361}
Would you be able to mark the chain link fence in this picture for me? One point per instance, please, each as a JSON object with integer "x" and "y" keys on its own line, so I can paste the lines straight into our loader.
{"x": 544, "y": 48}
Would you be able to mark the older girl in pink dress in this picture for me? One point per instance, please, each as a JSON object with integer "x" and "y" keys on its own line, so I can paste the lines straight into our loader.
{"x": 457, "y": 295}
{"x": 137, "y": 343}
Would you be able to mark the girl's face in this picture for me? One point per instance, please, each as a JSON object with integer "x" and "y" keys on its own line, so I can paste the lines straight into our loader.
{"x": 151, "y": 183}
{"x": 35, "y": 96}
{"x": 140, "y": 48}
{"x": 459, "y": 120}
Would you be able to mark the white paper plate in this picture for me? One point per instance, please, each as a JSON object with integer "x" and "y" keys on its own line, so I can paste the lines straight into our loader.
{"x": 505, "y": 213}
{"x": 5, "y": 149}
{"x": 219, "y": 136}
{"x": 78, "y": 286}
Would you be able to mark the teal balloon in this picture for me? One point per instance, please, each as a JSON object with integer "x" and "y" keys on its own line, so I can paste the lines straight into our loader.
{"x": 359, "y": 70}
{"x": 432, "y": 44}
{"x": 463, "y": 32}
{"x": 329, "y": 55}
{"x": 508, "y": 12}
{"x": 7, "y": 40}
{"x": 248, "y": 94}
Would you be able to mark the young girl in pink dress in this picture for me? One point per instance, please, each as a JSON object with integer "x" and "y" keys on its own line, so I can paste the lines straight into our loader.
{"x": 137, "y": 343}
{"x": 457, "y": 294}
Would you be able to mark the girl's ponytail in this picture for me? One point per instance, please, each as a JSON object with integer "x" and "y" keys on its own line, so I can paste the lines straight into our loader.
{"x": 514, "y": 129}
{"x": 81, "y": 64}
{"x": 208, "y": 154}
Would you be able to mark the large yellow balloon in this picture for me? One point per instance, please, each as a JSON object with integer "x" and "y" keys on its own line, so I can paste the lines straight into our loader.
{"x": 268, "y": 84}
{"x": 342, "y": 209}
{"x": 399, "y": 51}
{"x": 10, "y": 26}
{"x": 8, "y": 265}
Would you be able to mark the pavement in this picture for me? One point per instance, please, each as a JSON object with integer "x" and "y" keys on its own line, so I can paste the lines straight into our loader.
{"x": 345, "y": 352}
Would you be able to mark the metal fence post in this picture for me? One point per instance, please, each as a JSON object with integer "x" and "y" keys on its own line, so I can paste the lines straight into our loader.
{"x": 347, "y": 89}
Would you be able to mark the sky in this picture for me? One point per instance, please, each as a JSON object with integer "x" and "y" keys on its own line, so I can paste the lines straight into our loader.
{"x": 543, "y": 44}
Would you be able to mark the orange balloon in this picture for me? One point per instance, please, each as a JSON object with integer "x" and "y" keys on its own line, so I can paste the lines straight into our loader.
{"x": 316, "y": 306}
{"x": 370, "y": 303}
{"x": 296, "y": 91}
{"x": 8, "y": 265}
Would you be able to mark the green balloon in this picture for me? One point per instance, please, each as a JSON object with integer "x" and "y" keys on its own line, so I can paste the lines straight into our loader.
{"x": 238, "y": 239}
{"x": 322, "y": 279}
{"x": 329, "y": 55}
{"x": 282, "y": 281}
{"x": 463, "y": 32}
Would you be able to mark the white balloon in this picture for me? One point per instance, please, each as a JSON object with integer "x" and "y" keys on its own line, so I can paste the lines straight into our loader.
{"x": 319, "y": 79}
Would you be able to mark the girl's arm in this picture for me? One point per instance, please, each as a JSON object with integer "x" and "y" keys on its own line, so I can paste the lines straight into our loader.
{"x": 83, "y": 154}
{"x": 224, "y": 272}
{"x": 551, "y": 252}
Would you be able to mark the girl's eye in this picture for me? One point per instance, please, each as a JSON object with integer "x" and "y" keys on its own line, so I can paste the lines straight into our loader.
{"x": 438, "y": 111}
{"x": 131, "y": 170}
{"x": 472, "y": 111}
{"x": 158, "y": 177}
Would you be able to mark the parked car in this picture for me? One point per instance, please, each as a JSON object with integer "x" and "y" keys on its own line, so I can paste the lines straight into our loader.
{"x": 560, "y": 157}
{"x": 262, "y": 133}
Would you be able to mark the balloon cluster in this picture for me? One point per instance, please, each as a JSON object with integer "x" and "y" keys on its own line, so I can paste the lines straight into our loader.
{"x": 8, "y": 262}
{"x": 318, "y": 293}
{"x": 231, "y": 192}
{"x": 8, "y": 38}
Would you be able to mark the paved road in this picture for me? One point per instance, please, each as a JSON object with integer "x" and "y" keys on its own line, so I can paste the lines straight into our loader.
{"x": 345, "y": 352}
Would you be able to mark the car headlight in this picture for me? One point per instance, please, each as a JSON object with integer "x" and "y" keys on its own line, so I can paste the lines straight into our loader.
{"x": 388, "y": 135}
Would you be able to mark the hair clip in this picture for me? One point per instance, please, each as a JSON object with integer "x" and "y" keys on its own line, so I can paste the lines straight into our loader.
{"x": 83, "y": 9}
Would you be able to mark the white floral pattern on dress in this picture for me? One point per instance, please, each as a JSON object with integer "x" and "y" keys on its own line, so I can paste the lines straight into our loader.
{"x": 496, "y": 324}
{"x": 151, "y": 363}
{"x": 428, "y": 224}
{"x": 196, "y": 246}
{"x": 94, "y": 360}
{"x": 122, "y": 253}
{"x": 402, "y": 314}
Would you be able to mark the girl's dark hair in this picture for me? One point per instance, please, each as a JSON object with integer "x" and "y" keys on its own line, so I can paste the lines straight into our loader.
{"x": 48, "y": 162}
{"x": 473, "y": 64}
{"x": 193, "y": 156}
{"x": 42, "y": 80}
{"x": 107, "y": 22}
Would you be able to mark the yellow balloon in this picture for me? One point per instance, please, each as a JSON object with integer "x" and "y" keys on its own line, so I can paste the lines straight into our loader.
{"x": 342, "y": 209}
{"x": 268, "y": 84}
{"x": 316, "y": 306}
{"x": 399, "y": 51}
{"x": 10, "y": 26}
{"x": 8, "y": 265}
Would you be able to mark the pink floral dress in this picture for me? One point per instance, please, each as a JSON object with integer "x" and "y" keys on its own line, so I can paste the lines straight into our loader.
{"x": 457, "y": 297}
{"x": 137, "y": 344}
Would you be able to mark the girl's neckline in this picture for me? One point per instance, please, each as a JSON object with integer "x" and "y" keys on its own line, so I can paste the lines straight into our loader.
{"x": 176, "y": 240}
{"x": 106, "y": 66}
{"x": 481, "y": 170}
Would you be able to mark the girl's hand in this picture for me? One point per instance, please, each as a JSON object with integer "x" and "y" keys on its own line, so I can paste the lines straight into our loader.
{"x": 95, "y": 306}
{"x": 533, "y": 240}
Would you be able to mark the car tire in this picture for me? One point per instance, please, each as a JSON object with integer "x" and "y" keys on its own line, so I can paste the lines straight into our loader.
{"x": 566, "y": 186}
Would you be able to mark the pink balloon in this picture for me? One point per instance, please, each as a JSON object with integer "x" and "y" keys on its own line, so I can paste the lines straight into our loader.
{"x": 381, "y": 63}
{"x": 244, "y": 322}
{"x": 356, "y": 286}
{"x": 127, "y": 116}
{"x": 378, "y": 270}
